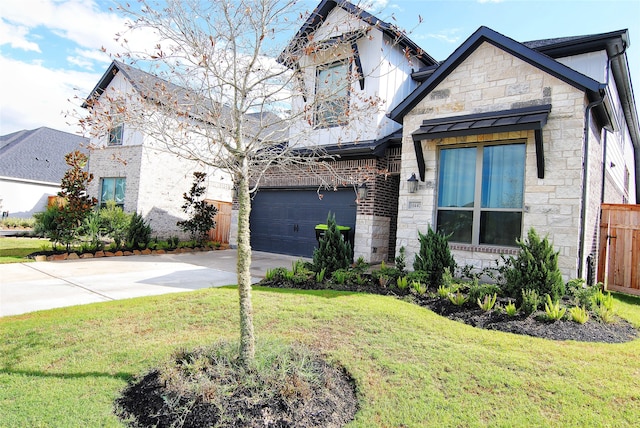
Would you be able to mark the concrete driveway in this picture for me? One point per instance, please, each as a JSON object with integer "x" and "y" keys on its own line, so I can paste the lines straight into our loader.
{"x": 28, "y": 287}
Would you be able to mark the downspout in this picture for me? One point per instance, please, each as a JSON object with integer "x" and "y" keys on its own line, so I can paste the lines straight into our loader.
{"x": 585, "y": 170}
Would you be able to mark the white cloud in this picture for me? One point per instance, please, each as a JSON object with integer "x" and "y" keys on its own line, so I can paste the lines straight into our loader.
{"x": 35, "y": 96}
{"x": 16, "y": 37}
{"x": 450, "y": 36}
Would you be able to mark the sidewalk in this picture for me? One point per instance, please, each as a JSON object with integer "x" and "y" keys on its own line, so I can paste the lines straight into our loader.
{"x": 28, "y": 287}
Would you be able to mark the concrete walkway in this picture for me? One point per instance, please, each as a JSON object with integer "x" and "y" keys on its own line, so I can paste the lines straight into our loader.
{"x": 28, "y": 287}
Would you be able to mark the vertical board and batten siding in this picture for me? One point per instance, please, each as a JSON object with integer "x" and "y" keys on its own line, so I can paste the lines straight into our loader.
{"x": 620, "y": 254}
{"x": 220, "y": 233}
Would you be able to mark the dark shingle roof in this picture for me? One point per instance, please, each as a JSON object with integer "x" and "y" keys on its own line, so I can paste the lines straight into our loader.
{"x": 37, "y": 154}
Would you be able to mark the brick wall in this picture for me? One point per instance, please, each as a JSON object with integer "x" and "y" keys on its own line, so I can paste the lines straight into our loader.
{"x": 376, "y": 216}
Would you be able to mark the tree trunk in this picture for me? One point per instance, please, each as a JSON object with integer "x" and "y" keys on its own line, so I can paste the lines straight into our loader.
{"x": 247, "y": 338}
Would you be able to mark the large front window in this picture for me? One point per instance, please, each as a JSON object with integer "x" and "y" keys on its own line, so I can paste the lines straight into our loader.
{"x": 113, "y": 190}
{"x": 332, "y": 94}
{"x": 480, "y": 194}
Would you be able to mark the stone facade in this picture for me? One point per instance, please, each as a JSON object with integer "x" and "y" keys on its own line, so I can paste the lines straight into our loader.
{"x": 490, "y": 79}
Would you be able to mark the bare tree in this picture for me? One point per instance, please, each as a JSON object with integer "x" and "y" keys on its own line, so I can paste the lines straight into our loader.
{"x": 231, "y": 93}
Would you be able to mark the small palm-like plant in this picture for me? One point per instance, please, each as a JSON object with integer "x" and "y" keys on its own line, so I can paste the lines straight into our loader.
{"x": 458, "y": 298}
{"x": 579, "y": 314}
{"x": 488, "y": 302}
{"x": 510, "y": 309}
{"x": 553, "y": 310}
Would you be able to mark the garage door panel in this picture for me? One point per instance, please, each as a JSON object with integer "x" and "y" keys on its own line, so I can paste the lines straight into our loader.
{"x": 284, "y": 221}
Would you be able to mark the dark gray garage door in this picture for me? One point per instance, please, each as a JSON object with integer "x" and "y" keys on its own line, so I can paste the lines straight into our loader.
{"x": 283, "y": 221}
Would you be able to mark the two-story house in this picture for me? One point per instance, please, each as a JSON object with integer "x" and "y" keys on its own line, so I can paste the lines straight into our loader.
{"x": 136, "y": 171}
{"x": 500, "y": 137}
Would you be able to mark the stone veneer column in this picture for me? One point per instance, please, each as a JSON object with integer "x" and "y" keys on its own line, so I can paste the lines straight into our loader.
{"x": 371, "y": 240}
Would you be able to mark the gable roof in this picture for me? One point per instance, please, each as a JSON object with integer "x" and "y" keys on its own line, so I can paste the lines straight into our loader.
{"x": 37, "y": 154}
{"x": 321, "y": 12}
{"x": 262, "y": 126}
{"x": 146, "y": 84}
{"x": 593, "y": 89}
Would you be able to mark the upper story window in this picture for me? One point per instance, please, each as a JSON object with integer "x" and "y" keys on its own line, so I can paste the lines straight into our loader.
{"x": 481, "y": 194}
{"x": 115, "y": 135}
{"x": 113, "y": 190}
{"x": 332, "y": 94}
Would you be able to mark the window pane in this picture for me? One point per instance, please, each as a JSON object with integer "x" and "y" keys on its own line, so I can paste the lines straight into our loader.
{"x": 119, "y": 191}
{"x": 108, "y": 189}
{"x": 332, "y": 92}
{"x": 457, "y": 177}
{"x": 503, "y": 176}
{"x": 500, "y": 228}
{"x": 458, "y": 224}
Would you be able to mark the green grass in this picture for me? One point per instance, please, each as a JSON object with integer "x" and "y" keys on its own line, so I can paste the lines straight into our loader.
{"x": 412, "y": 368}
{"x": 16, "y": 250}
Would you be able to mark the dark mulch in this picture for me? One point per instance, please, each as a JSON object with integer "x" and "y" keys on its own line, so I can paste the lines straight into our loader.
{"x": 147, "y": 402}
{"x": 533, "y": 325}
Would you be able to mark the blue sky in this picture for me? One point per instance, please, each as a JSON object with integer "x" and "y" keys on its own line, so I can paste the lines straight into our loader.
{"x": 50, "y": 50}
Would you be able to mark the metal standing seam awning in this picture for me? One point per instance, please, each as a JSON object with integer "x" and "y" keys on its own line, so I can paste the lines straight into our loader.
{"x": 522, "y": 119}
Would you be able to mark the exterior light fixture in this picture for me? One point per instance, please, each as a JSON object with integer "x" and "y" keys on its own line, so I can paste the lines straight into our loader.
{"x": 413, "y": 183}
{"x": 363, "y": 191}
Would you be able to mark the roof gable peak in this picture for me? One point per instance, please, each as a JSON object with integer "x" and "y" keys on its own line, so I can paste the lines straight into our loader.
{"x": 487, "y": 35}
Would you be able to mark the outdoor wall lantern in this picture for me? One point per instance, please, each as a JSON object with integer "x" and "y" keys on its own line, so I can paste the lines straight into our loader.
{"x": 363, "y": 191}
{"x": 413, "y": 183}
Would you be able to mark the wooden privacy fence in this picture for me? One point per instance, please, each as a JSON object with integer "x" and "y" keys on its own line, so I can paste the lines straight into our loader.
{"x": 619, "y": 257}
{"x": 223, "y": 222}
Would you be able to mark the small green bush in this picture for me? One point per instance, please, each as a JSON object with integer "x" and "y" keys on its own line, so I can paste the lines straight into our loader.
{"x": 479, "y": 291}
{"x": 530, "y": 301}
{"x": 115, "y": 222}
{"x": 139, "y": 232}
{"x": 340, "y": 276}
{"x": 434, "y": 256}
{"x": 536, "y": 268}
{"x": 333, "y": 251}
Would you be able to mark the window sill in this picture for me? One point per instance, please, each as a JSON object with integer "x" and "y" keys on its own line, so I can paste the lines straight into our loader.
{"x": 484, "y": 249}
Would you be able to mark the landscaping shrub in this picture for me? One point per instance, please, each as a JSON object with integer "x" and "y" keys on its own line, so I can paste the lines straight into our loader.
{"x": 530, "y": 301}
{"x": 201, "y": 214}
{"x": 386, "y": 275}
{"x": 139, "y": 232}
{"x": 434, "y": 256}
{"x": 479, "y": 291}
{"x": 333, "y": 251}
{"x": 535, "y": 268}
{"x": 115, "y": 223}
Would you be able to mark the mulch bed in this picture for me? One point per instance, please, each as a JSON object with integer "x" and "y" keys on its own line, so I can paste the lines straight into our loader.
{"x": 144, "y": 403}
{"x": 533, "y": 325}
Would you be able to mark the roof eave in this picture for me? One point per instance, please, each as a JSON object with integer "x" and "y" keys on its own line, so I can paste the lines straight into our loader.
{"x": 485, "y": 34}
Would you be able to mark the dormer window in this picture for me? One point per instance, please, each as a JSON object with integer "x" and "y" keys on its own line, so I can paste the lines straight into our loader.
{"x": 115, "y": 135}
{"x": 332, "y": 94}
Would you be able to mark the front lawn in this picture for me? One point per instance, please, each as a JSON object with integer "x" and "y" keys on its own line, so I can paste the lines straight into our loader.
{"x": 65, "y": 367}
{"x": 16, "y": 250}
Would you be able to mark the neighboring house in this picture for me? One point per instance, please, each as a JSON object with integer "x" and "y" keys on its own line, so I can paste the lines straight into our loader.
{"x": 136, "y": 172}
{"x": 32, "y": 165}
{"x": 495, "y": 136}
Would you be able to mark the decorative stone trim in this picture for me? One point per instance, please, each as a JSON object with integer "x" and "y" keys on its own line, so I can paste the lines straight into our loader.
{"x": 100, "y": 254}
{"x": 484, "y": 249}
